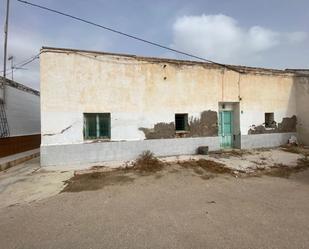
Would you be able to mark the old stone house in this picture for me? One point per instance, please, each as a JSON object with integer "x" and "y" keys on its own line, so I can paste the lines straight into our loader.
{"x": 98, "y": 106}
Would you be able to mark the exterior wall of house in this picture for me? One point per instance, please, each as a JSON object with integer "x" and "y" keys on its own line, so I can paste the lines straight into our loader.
{"x": 22, "y": 111}
{"x": 143, "y": 95}
{"x": 302, "y": 92}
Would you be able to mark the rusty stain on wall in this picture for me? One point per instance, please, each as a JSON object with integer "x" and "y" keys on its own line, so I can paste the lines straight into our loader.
{"x": 204, "y": 126}
{"x": 287, "y": 125}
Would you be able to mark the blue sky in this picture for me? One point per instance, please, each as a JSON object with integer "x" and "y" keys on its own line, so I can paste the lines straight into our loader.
{"x": 259, "y": 33}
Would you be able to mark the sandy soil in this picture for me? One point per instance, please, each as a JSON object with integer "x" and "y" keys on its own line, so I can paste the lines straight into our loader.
{"x": 249, "y": 160}
{"x": 27, "y": 182}
{"x": 172, "y": 208}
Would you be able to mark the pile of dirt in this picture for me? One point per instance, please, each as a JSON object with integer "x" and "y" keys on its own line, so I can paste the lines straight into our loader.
{"x": 96, "y": 180}
{"x": 296, "y": 149}
{"x": 147, "y": 162}
{"x": 281, "y": 170}
{"x": 207, "y": 165}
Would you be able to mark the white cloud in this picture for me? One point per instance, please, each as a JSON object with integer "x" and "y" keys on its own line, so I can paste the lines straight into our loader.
{"x": 23, "y": 45}
{"x": 296, "y": 36}
{"x": 259, "y": 39}
{"x": 221, "y": 38}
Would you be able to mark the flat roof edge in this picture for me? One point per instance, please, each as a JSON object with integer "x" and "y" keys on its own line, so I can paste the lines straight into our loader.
{"x": 242, "y": 69}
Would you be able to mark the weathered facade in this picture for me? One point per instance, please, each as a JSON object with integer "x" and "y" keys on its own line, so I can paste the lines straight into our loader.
{"x": 19, "y": 118}
{"x": 100, "y": 107}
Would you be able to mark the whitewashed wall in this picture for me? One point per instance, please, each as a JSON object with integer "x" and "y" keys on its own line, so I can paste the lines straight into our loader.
{"x": 303, "y": 108}
{"x": 23, "y": 112}
{"x": 140, "y": 92}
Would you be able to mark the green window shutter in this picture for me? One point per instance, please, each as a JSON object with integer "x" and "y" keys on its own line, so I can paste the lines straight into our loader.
{"x": 97, "y": 125}
{"x": 104, "y": 125}
{"x": 90, "y": 125}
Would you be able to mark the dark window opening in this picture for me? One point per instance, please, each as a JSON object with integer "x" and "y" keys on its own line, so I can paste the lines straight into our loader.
{"x": 97, "y": 125}
{"x": 181, "y": 122}
{"x": 269, "y": 120}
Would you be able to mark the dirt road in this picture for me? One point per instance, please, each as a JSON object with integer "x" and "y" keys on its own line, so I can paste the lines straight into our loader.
{"x": 174, "y": 208}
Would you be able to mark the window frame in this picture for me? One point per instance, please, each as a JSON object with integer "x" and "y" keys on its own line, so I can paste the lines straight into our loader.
{"x": 269, "y": 121}
{"x": 98, "y": 118}
{"x": 185, "y": 121}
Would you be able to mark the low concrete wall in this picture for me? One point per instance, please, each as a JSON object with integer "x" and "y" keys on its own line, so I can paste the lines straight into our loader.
{"x": 87, "y": 154}
{"x": 83, "y": 154}
{"x": 12, "y": 160}
{"x": 265, "y": 140}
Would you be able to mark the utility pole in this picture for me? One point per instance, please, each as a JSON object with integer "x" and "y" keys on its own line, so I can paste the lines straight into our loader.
{"x": 6, "y": 28}
{"x": 11, "y": 58}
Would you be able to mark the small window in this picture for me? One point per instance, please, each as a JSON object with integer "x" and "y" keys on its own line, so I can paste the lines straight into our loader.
{"x": 181, "y": 122}
{"x": 269, "y": 120}
{"x": 97, "y": 125}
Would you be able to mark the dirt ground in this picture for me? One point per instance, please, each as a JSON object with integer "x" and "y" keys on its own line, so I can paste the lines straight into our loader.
{"x": 27, "y": 182}
{"x": 197, "y": 203}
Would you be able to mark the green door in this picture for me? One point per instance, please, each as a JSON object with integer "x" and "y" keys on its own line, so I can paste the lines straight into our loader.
{"x": 226, "y": 129}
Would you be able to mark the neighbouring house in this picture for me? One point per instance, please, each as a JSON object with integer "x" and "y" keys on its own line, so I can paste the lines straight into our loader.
{"x": 19, "y": 118}
{"x": 98, "y": 106}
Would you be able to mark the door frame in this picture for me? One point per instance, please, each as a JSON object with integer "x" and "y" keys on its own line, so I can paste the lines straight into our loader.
{"x": 221, "y": 130}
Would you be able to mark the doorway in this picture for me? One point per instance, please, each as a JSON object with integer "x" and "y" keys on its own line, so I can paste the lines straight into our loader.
{"x": 226, "y": 129}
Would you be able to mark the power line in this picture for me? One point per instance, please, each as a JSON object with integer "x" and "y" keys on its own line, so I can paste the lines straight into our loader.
{"x": 29, "y": 61}
{"x": 23, "y": 63}
{"x": 125, "y": 34}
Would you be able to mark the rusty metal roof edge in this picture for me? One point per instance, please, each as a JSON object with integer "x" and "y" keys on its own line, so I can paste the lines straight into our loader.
{"x": 244, "y": 69}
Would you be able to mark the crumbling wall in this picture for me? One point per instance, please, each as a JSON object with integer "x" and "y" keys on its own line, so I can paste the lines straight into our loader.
{"x": 160, "y": 130}
{"x": 204, "y": 126}
{"x": 146, "y": 92}
{"x": 287, "y": 125}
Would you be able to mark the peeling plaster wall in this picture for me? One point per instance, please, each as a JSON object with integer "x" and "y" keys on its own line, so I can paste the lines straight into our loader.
{"x": 302, "y": 92}
{"x": 287, "y": 124}
{"x": 261, "y": 94}
{"x": 205, "y": 125}
{"x": 140, "y": 93}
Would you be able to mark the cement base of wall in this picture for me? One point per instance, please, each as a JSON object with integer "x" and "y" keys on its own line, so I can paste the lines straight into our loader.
{"x": 12, "y": 160}
{"x": 265, "y": 140}
{"x": 85, "y": 154}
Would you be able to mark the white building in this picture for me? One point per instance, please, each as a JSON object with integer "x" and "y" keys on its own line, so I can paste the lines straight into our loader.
{"x": 19, "y": 118}
{"x": 98, "y": 107}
